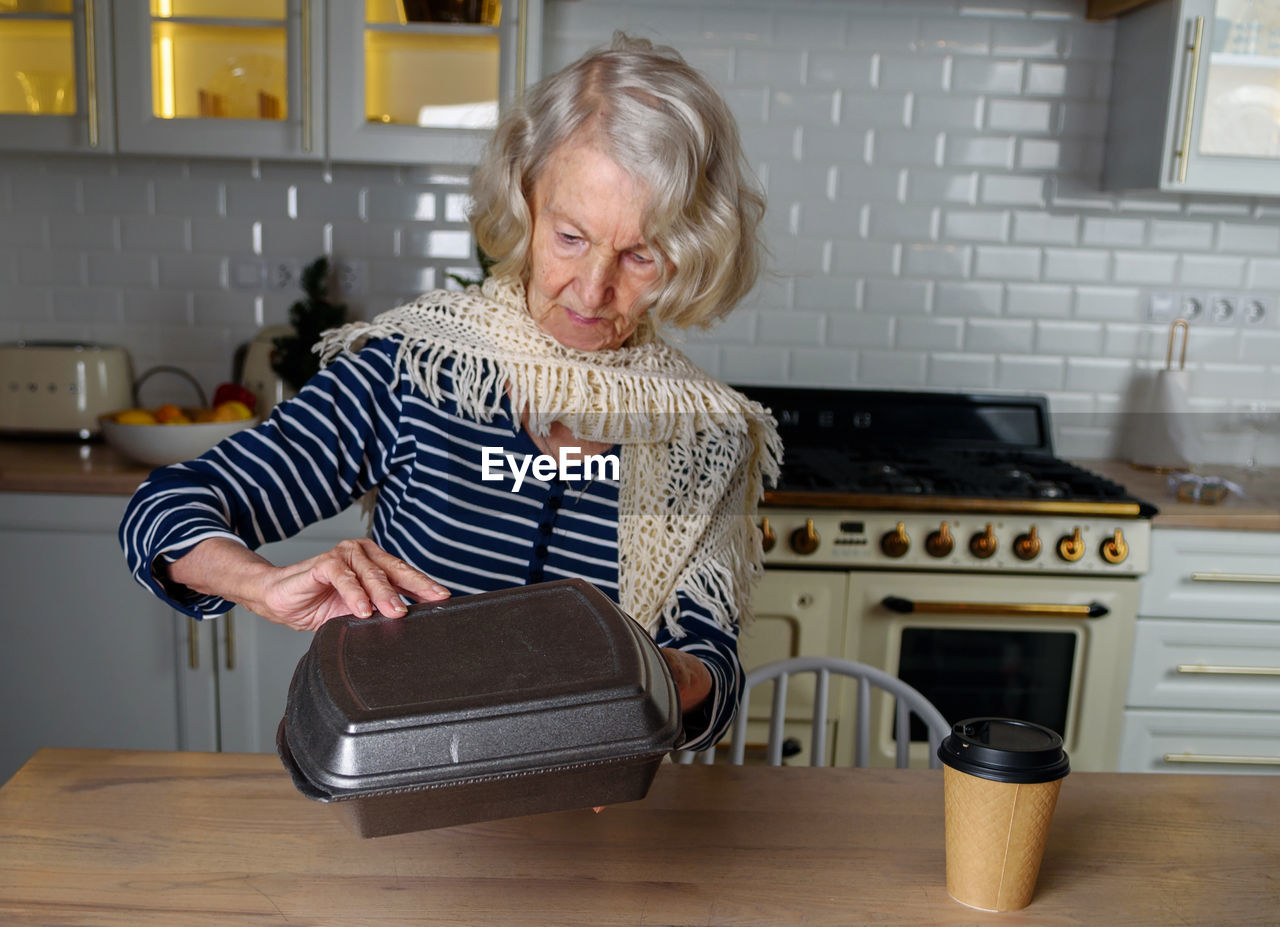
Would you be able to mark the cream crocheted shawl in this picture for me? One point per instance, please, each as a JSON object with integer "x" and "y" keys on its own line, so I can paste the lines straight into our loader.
{"x": 694, "y": 453}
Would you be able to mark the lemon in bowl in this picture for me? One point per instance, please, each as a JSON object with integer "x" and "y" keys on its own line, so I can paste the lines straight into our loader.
{"x": 169, "y": 434}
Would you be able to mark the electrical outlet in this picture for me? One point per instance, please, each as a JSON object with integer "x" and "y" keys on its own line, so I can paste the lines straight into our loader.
{"x": 1223, "y": 309}
{"x": 1257, "y": 311}
{"x": 284, "y": 274}
{"x": 351, "y": 277}
{"x": 1193, "y": 306}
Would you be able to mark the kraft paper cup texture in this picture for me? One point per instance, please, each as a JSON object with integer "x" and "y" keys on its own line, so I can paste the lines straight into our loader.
{"x": 996, "y": 830}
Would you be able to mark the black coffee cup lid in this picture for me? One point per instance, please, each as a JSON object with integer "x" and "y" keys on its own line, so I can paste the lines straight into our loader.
{"x": 1005, "y": 750}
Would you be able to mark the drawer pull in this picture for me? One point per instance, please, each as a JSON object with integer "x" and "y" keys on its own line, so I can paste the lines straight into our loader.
{"x": 1222, "y": 759}
{"x": 1234, "y": 578}
{"x": 1003, "y": 609}
{"x": 1212, "y": 670}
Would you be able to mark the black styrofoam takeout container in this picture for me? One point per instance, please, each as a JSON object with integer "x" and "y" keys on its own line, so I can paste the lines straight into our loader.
{"x": 537, "y": 698}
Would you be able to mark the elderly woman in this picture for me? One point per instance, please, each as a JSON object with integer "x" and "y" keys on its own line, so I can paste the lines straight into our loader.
{"x": 614, "y": 200}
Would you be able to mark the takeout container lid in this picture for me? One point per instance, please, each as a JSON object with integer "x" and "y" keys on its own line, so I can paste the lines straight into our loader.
{"x": 510, "y": 702}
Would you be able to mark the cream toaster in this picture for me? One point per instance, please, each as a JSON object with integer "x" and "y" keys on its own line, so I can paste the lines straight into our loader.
{"x": 61, "y": 387}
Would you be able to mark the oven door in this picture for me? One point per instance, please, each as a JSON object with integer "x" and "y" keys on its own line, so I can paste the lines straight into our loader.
{"x": 1054, "y": 650}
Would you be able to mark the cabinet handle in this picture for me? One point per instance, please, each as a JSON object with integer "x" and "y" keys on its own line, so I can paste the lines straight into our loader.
{"x": 193, "y": 643}
{"x": 1212, "y": 670}
{"x": 522, "y": 39}
{"x": 91, "y": 69}
{"x": 306, "y": 76}
{"x": 1222, "y": 759}
{"x": 229, "y": 630}
{"x": 1234, "y": 578}
{"x": 1003, "y": 609}
{"x": 1184, "y": 151}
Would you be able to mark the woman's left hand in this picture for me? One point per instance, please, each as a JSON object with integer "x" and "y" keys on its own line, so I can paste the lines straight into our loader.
{"x": 693, "y": 679}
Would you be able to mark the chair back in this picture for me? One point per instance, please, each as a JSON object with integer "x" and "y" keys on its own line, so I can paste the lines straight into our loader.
{"x": 909, "y": 701}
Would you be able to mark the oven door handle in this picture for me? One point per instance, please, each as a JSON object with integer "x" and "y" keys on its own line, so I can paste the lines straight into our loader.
{"x": 1002, "y": 609}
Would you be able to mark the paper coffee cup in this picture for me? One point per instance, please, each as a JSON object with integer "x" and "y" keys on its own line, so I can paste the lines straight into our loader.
{"x": 1000, "y": 784}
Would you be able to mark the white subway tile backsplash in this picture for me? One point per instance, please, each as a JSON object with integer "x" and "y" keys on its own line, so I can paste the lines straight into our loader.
{"x": 1180, "y": 235}
{"x": 975, "y": 226}
{"x": 930, "y": 111}
{"x": 986, "y": 75}
{"x": 1026, "y": 372}
{"x": 916, "y": 73}
{"x": 1069, "y": 338}
{"x": 1251, "y": 239}
{"x": 926, "y": 186}
{"x": 896, "y": 296}
{"x": 964, "y": 137}
{"x": 937, "y": 260}
{"x": 927, "y": 333}
{"x": 961, "y": 371}
{"x": 898, "y": 369}
{"x": 1039, "y": 300}
{"x": 1013, "y": 263}
{"x": 1012, "y": 190}
{"x": 1023, "y": 116}
{"x": 1076, "y": 265}
{"x": 971, "y": 298}
{"x": 979, "y": 151}
{"x": 860, "y": 330}
{"x": 1211, "y": 270}
{"x": 998, "y": 336}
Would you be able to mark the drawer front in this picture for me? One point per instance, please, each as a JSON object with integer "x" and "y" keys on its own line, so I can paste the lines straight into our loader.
{"x": 1200, "y": 741}
{"x": 1230, "y": 665}
{"x": 1213, "y": 574}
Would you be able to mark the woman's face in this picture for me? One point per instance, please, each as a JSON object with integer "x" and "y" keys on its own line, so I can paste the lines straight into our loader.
{"x": 589, "y": 262}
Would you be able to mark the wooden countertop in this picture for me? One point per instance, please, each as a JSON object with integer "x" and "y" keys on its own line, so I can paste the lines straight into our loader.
{"x": 97, "y": 469}
{"x": 90, "y": 468}
{"x": 137, "y": 838}
{"x": 1257, "y": 510}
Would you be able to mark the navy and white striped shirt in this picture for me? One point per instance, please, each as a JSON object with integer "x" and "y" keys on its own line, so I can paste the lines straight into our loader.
{"x": 362, "y": 424}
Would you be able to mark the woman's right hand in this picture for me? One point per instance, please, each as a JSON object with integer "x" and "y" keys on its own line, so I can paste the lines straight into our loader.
{"x": 355, "y": 577}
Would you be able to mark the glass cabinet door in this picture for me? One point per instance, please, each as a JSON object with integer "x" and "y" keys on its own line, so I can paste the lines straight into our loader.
{"x": 1230, "y": 119}
{"x": 220, "y": 77}
{"x": 55, "y": 75}
{"x": 422, "y": 80}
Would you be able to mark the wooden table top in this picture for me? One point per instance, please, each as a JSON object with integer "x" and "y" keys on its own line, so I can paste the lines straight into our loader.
{"x": 137, "y": 838}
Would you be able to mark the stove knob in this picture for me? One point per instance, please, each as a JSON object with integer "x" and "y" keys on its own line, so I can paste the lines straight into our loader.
{"x": 1071, "y": 546}
{"x": 940, "y": 543}
{"x": 983, "y": 544}
{"x": 1114, "y": 549}
{"x": 768, "y": 537}
{"x": 805, "y": 540}
{"x": 1027, "y": 546}
{"x": 897, "y": 542}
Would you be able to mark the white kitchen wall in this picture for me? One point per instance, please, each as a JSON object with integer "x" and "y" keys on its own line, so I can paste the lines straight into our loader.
{"x": 935, "y": 219}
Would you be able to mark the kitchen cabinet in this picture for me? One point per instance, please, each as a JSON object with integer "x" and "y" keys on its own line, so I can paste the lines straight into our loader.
{"x": 88, "y": 655}
{"x": 56, "y": 81}
{"x": 1195, "y": 98}
{"x": 283, "y": 79}
{"x": 1204, "y": 694}
{"x": 234, "y": 670}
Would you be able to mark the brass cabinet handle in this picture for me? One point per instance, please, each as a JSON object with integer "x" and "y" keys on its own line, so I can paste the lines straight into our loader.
{"x": 193, "y": 643}
{"x": 1002, "y": 609}
{"x": 1184, "y": 151}
{"x": 522, "y": 40}
{"x": 91, "y": 69}
{"x": 229, "y": 630}
{"x": 1208, "y": 669}
{"x": 1222, "y": 759}
{"x": 1234, "y": 578}
{"x": 306, "y": 76}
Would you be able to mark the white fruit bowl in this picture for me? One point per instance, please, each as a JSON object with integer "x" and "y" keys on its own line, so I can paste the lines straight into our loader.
{"x": 159, "y": 445}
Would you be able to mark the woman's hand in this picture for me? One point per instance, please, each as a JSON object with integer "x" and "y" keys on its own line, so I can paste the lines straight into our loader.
{"x": 693, "y": 679}
{"x": 354, "y": 578}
